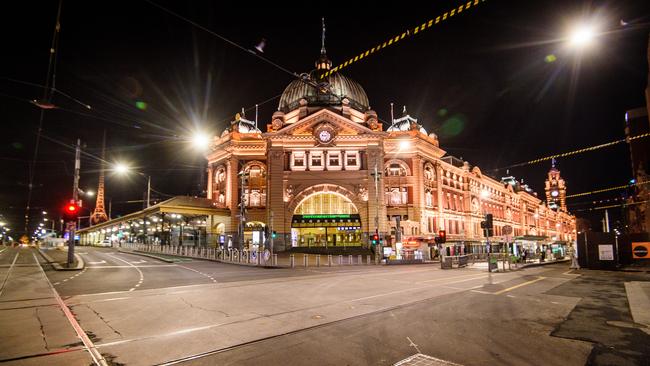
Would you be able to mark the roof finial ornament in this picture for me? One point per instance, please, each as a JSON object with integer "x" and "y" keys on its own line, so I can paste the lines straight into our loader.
{"x": 403, "y": 111}
{"x": 322, "y": 40}
{"x": 392, "y": 117}
{"x": 323, "y": 62}
{"x": 553, "y": 162}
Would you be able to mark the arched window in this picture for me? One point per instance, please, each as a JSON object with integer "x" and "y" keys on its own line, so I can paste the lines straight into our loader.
{"x": 326, "y": 203}
{"x": 429, "y": 172}
{"x": 396, "y": 167}
{"x": 254, "y": 184}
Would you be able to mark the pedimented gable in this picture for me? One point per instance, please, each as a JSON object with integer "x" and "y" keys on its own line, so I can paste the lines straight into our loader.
{"x": 324, "y": 117}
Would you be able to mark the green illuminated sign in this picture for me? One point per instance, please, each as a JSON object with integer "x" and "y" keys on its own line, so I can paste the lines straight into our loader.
{"x": 333, "y": 216}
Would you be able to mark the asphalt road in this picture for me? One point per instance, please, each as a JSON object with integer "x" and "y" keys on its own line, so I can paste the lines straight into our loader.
{"x": 137, "y": 310}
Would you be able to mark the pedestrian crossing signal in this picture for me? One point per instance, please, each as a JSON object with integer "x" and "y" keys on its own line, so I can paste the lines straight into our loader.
{"x": 274, "y": 234}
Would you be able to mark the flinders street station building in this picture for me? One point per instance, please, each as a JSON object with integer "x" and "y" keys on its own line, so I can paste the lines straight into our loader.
{"x": 326, "y": 172}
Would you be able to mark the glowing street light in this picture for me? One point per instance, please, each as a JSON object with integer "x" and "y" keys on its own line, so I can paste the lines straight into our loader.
{"x": 485, "y": 193}
{"x": 121, "y": 168}
{"x": 90, "y": 193}
{"x": 404, "y": 144}
{"x": 44, "y": 212}
{"x": 201, "y": 141}
{"x": 582, "y": 35}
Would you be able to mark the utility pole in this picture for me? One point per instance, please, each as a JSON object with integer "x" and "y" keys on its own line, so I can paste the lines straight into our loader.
{"x": 271, "y": 232}
{"x": 75, "y": 198}
{"x": 148, "y": 191}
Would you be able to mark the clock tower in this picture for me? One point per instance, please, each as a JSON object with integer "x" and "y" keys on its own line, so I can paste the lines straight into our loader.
{"x": 555, "y": 188}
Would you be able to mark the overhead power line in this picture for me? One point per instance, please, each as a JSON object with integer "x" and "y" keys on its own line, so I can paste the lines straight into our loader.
{"x": 607, "y": 189}
{"x": 407, "y": 33}
{"x": 575, "y": 152}
{"x": 613, "y": 206}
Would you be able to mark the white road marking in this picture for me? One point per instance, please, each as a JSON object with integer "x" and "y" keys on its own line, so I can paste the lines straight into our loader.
{"x": 138, "y": 269}
{"x": 100, "y": 262}
{"x": 199, "y": 272}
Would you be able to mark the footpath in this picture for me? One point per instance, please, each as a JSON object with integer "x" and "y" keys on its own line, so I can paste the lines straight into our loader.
{"x": 37, "y": 328}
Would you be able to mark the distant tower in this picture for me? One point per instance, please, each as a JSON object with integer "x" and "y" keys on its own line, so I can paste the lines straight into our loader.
{"x": 99, "y": 214}
{"x": 555, "y": 189}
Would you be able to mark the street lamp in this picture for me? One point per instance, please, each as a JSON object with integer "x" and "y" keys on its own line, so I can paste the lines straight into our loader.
{"x": 201, "y": 140}
{"x": 121, "y": 168}
{"x": 582, "y": 35}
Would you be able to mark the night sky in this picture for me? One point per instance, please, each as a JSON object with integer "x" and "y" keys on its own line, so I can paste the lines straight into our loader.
{"x": 481, "y": 81}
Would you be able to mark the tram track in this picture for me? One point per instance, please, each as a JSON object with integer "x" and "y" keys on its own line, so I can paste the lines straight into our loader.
{"x": 4, "y": 281}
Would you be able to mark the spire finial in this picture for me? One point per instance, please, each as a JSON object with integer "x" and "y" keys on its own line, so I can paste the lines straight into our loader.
{"x": 553, "y": 163}
{"x": 403, "y": 110}
{"x": 322, "y": 39}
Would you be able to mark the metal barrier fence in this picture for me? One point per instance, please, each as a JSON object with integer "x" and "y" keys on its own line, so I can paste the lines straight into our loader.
{"x": 249, "y": 257}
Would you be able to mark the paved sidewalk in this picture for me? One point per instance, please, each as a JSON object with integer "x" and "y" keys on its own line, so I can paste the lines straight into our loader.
{"x": 35, "y": 330}
{"x": 638, "y": 296}
{"x": 514, "y": 266}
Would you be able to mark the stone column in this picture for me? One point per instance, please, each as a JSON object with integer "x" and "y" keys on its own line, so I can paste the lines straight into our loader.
{"x": 275, "y": 197}
{"x": 210, "y": 177}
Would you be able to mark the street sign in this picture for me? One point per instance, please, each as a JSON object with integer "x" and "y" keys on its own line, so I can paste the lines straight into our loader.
{"x": 640, "y": 250}
{"x": 606, "y": 252}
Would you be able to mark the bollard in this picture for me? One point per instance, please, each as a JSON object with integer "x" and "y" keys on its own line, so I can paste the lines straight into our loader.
{"x": 259, "y": 258}
{"x": 368, "y": 259}
{"x": 329, "y": 260}
{"x": 360, "y": 261}
{"x": 350, "y": 259}
{"x": 275, "y": 260}
{"x": 305, "y": 260}
{"x": 317, "y": 260}
{"x": 292, "y": 260}
{"x": 340, "y": 259}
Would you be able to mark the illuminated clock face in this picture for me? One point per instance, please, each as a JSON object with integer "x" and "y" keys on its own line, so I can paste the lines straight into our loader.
{"x": 324, "y": 136}
{"x": 555, "y": 193}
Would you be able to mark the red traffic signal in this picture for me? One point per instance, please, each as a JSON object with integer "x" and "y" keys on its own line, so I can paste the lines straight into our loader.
{"x": 375, "y": 238}
{"x": 71, "y": 208}
{"x": 442, "y": 235}
{"x": 71, "y": 211}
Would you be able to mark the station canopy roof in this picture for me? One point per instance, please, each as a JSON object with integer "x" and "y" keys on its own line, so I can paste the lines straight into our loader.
{"x": 183, "y": 205}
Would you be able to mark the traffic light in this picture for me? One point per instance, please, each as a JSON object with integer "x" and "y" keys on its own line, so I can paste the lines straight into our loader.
{"x": 488, "y": 221}
{"x": 274, "y": 234}
{"x": 442, "y": 235}
{"x": 375, "y": 238}
{"x": 71, "y": 211}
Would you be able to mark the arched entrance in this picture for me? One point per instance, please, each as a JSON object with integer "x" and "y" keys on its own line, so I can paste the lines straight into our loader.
{"x": 326, "y": 218}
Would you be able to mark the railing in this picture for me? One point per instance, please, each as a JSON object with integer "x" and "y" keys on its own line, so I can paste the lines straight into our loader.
{"x": 248, "y": 257}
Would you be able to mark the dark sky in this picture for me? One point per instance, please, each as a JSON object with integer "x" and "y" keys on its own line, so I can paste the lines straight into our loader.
{"x": 479, "y": 80}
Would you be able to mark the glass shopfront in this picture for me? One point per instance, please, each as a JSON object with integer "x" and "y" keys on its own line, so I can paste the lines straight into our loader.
{"x": 326, "y": 230}
{"x": 326, "y": 219}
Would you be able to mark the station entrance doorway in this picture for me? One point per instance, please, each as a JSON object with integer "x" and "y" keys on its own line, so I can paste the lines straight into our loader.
{"x": 326, "y": 219}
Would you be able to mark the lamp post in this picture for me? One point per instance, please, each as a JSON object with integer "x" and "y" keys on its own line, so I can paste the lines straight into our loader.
{"x": 121, "y": 168}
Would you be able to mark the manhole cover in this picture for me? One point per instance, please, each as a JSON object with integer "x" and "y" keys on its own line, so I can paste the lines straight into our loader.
{"x": 420, "y": 359}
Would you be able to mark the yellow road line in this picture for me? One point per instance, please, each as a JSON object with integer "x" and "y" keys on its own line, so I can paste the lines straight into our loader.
{"x": 519, "y": 285}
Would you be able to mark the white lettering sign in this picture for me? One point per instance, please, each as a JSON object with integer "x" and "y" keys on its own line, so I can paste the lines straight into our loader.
{"x": 606, "y": 252}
